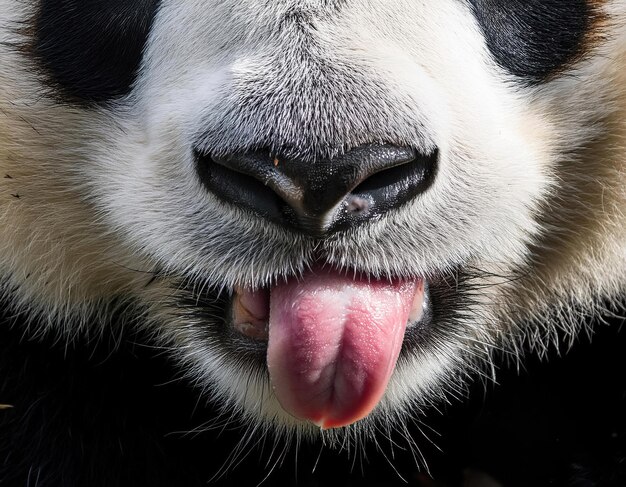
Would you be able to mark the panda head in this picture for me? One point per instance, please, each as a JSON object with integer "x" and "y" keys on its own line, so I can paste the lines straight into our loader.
{"x": 330, "y": 211}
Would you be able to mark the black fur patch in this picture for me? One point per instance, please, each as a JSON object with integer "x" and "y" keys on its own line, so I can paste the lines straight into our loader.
{"x": 534, "y": 39}
{"x": 91, "y": 49}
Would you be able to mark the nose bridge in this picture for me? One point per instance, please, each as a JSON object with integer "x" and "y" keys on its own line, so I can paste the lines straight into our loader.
{"x": 309, "y": 102}
{"x": 308, "y": 99}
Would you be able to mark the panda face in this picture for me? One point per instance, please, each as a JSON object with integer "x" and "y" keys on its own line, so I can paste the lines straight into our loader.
{"x": 240, "y": 174}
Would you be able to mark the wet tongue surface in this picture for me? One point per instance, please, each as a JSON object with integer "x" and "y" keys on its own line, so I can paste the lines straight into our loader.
{"x": 333, "y": 343}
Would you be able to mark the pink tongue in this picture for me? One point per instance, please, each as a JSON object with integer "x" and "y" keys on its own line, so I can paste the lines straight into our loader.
{"x": 334, "y": 342}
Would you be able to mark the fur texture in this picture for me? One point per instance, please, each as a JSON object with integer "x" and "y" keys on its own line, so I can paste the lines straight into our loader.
{"x": 107, "y": 231}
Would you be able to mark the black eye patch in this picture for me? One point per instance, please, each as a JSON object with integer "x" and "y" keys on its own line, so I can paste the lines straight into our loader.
{"x": 534, "y": 39}
{"x": 90, "y": 50}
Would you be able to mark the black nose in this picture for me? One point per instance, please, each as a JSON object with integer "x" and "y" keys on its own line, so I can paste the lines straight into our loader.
{"x": 322, "y": 196}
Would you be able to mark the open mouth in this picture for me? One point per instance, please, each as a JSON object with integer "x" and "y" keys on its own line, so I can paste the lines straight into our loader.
{"x": 330, "y": 340}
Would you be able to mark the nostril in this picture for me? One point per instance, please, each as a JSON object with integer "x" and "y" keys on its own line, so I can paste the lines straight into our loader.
{"x": 413, "y": 173}
{"x": 235, "y": 182}
{"x": 389, "y": 188}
